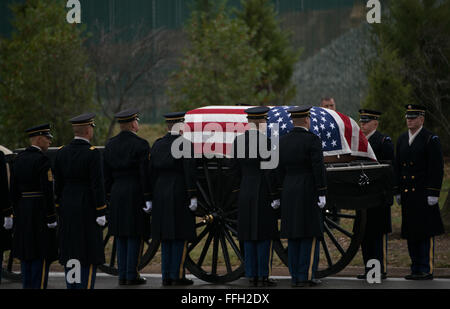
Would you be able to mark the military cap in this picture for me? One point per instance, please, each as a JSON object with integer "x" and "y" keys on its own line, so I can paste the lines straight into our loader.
{"x": 299, "y": 111}
{"x": 259, "y": 112}
{"x": 175, "y": 117}
{"x": 43, "y": 130}
{"x": 127, "y": 115}
{"x": 366, "y": 115}
{"x": 414, "y": 111}
{"x": 83, "y": 120}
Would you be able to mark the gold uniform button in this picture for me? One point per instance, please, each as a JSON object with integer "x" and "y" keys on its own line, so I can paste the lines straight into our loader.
{"x": 406, "y": 190}
{"x": 413, "y": 177}
{"x": 411, "y": 163}
{"x": 404, "y": 177}
{"x": 404, "y": 164}
{"x": 413, "y": 189}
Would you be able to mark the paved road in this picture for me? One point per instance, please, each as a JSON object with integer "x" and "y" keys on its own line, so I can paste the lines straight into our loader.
{"x": 104, "y": 281}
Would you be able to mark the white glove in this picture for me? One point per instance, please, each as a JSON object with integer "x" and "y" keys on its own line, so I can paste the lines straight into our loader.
{"x": 148, "y": 207}
{"x": 101, "y": 220}
{"x": 52, "y": 225}
{"x": 193, "y": 206}
{"x": 275, "y": 204}
{"x": 8, "y": 223}
{"x": 398, "y": 199}
{"x": 432, "y": 200}
{"x": 322, "y": 202}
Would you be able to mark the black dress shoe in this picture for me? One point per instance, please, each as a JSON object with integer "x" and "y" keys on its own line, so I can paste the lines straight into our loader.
{"x": 138, "y": 281}
{"x": 314, "y": 282}
{"x": 167, "y": 282}
{"x": 183, "y": 281}
{"x": 361, "y": 276}
{"x": 122, "y": 281}
{"x": 268, "y": 282}
{"x": 253, "y": 281}
{"x": 421, "y": 276}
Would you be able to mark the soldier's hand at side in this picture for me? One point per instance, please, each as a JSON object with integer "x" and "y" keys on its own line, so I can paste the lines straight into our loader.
{"x": 322, "y": 202}
{"x": 8, "y": 224}
{"x": 275, "y": 204}
{"x": 52, "y": 225}
{"x": 398, "y": 199}
{"x": 193, "y": 205}
{"x": 432, "y": 200}
{"x": 101, "y": 220}
{"x": 148, "y": 207}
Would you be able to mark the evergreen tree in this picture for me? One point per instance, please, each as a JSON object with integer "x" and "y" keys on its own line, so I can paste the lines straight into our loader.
{"x": 272, "y": 44}
{"x": 43, "y": 72}
{"x": 219, "y": 67}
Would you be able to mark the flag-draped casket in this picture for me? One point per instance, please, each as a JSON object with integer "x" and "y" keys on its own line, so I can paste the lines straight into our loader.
{"x": 361, "y": 182}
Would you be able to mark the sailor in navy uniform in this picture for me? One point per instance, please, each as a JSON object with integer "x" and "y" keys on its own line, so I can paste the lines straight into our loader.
{"x": 34, "y": 242}
{"x": 257, "y": 219}
{"x": 303, "y": 177}
{"x": 80, "y": 201}
{"x": 419, "y": 170}
{"x": 375, "y": 242}
{"x": 174, "y": 202}
{"x": 126, "y": 159}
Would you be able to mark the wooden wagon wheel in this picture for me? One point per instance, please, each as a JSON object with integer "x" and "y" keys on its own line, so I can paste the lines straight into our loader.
{"x": 216, "y": 255}
{"x": 343, "y": 233}
{"x": 148, "y": 251}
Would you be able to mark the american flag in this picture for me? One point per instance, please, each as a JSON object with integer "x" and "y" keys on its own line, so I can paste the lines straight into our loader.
{"x": 214, "y": 128}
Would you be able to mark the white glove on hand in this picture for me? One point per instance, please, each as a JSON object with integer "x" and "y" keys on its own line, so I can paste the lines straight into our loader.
{"x": 322, "y": 202}
{"x": 193, "y": 206}
{"x": 8, "y": 223}
{"x": 148, "y": 207}
{"x": 432, "y": 200}
{"x": 275, "y": 204}
{"x": 398, "y": 199}
{"x": 101, "y": 220}
{"x": 52, "y": 225}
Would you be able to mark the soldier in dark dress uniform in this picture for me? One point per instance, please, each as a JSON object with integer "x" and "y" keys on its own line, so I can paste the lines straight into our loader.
{"x": 378, "y": 225}
{"x": 174, "y": 202}
{"x": 80, "y": 198}
{"x": 6, "y": 211}
{"x": 257, "y": 220}
{"x": 126, "y": 159}
{"x": 34, "y": 242}
{"x": 303, "y": 178}
{"x": 419, "y": 170}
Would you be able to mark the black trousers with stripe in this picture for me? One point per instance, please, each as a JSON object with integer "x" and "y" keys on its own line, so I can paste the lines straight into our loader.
{"x": 421, "y": 253}
{"x": 375, "y": 247}
{"x": 34, "y": 274}
{"x": 173, "y": 255}
{"x": 303, "y": 258}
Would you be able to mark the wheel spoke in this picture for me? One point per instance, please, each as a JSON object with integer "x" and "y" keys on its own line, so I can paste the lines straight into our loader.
{"x": 205, "y": 250}
{"x": 199, "y": 238}
{"x": 234, "y": 246}
{"x": 226, "y": 256}
{"x": 200, "y": 224}
{"x": 339, "y": 228}
{"x": 327, "y": 253}
{"x": 346, "y": 216}
{"x": 232, "y": 229}
{"x": 333, "y": 239}
{"x": 204, "y": 195}
{"x": 215, "y": 254}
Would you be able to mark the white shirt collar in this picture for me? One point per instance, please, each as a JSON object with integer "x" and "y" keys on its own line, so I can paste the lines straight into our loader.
{"x": 413, "y": 136}
{"x": 40, "y": 149}
{"x": 82, "y": 138}
{"x": 370, "y": 134}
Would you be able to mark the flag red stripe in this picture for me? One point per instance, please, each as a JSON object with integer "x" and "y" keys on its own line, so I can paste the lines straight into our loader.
{"x": 348, "y": 128}
{"x": 217, "y": 111}
{"x": 363, "y": 143}
{"x": 195, "y": 126}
